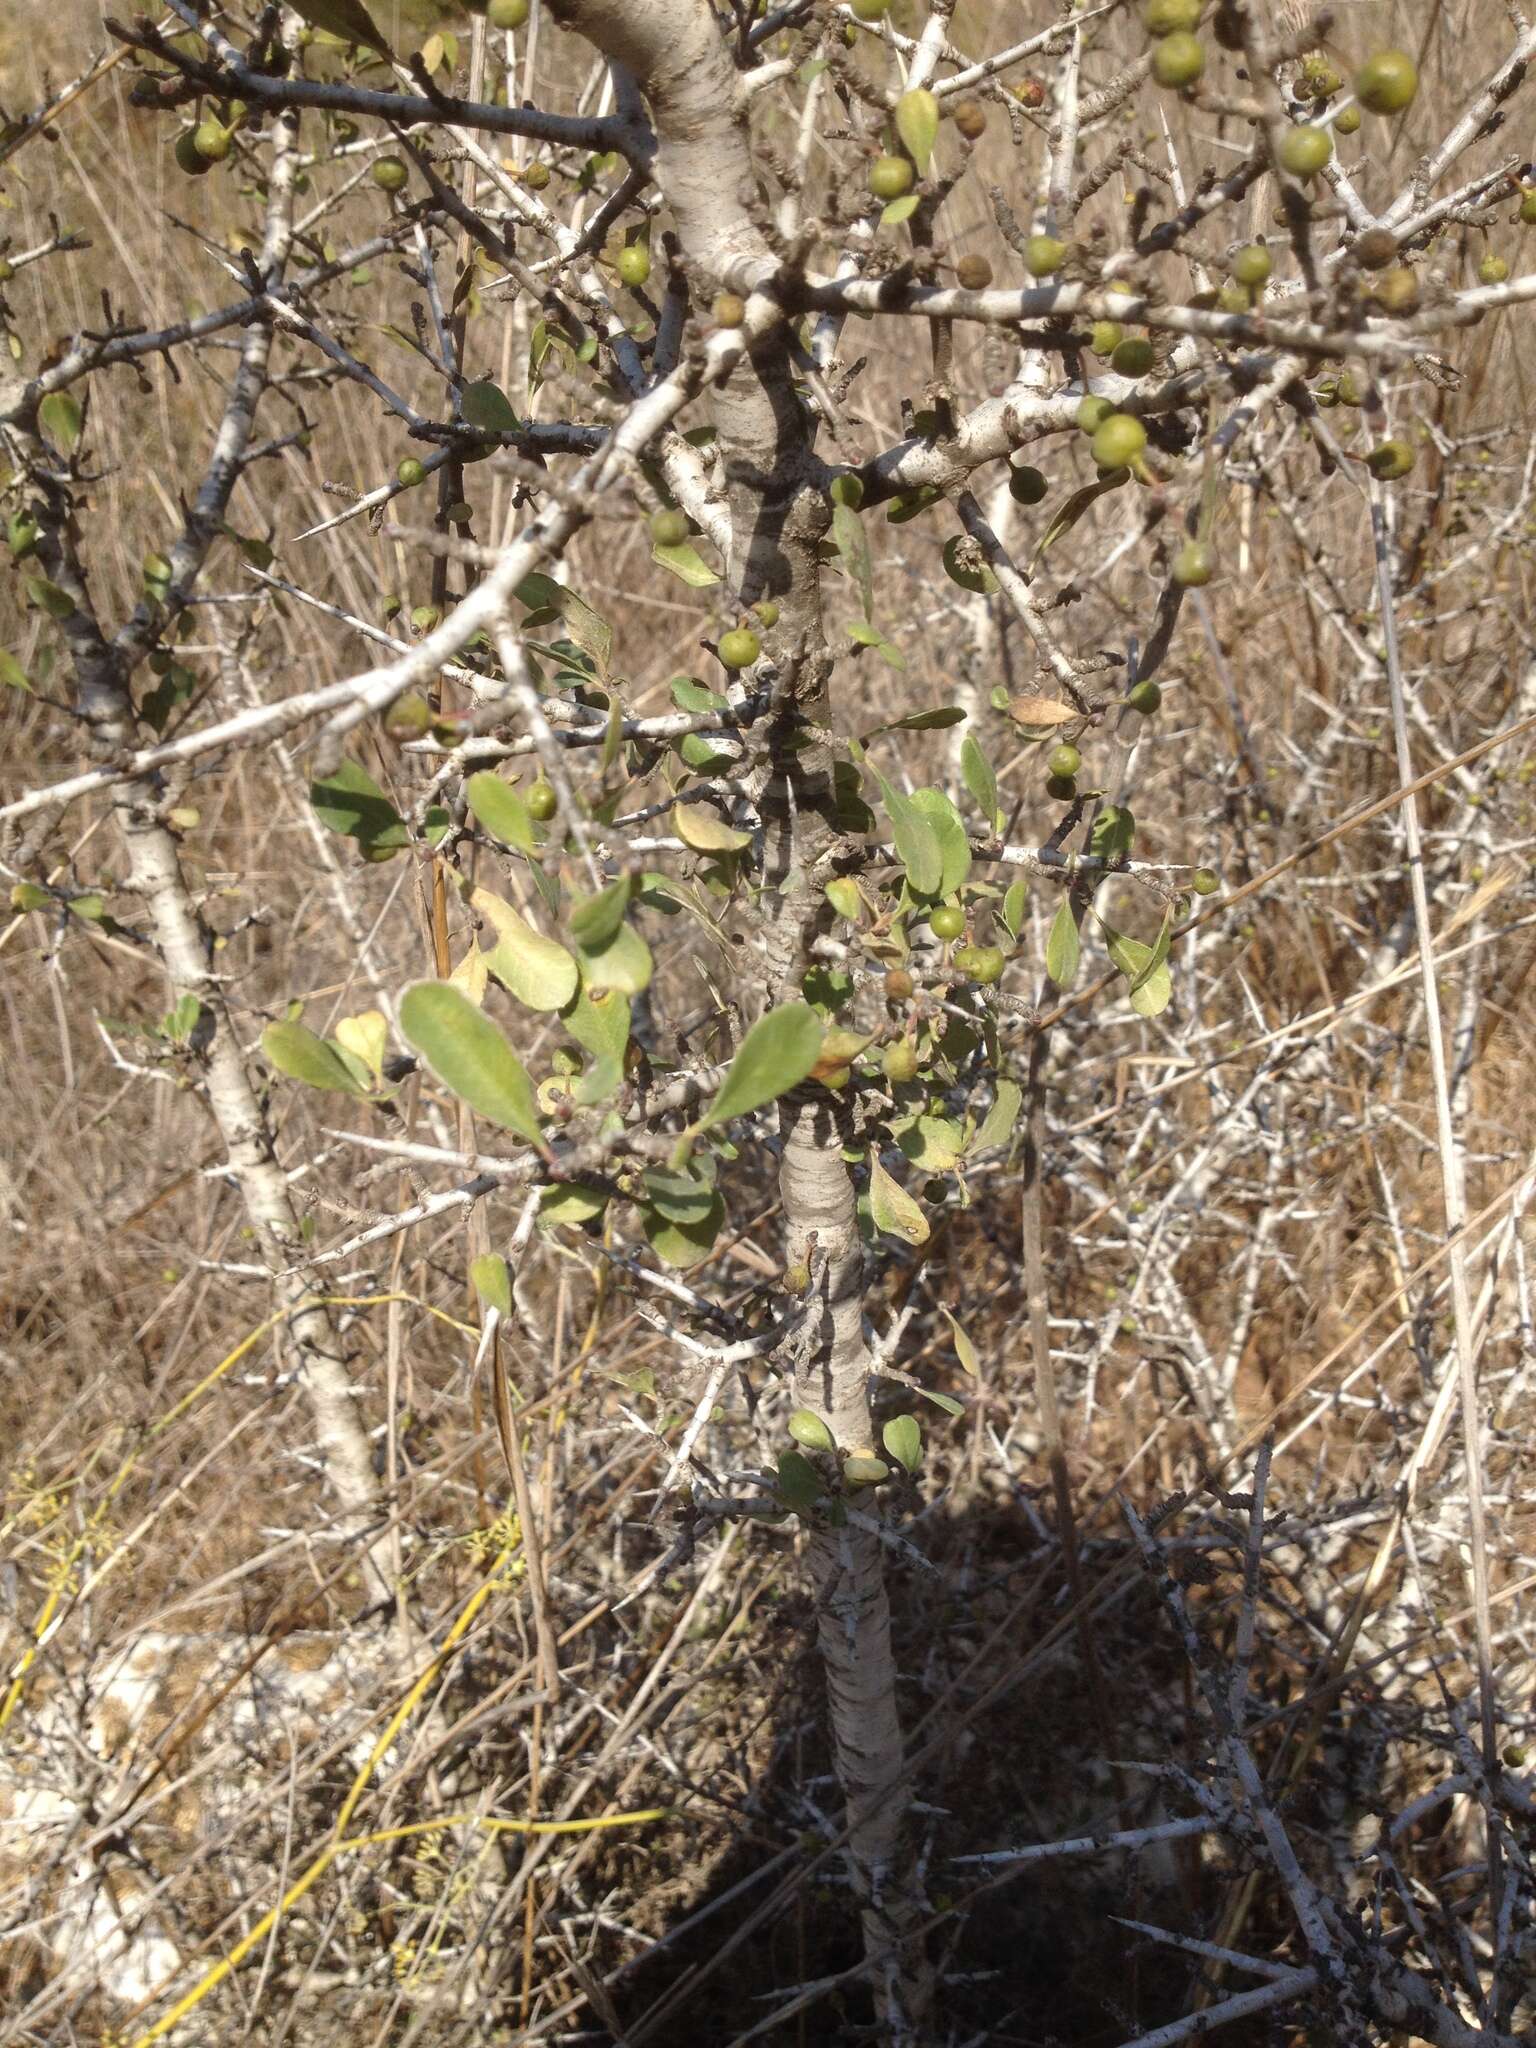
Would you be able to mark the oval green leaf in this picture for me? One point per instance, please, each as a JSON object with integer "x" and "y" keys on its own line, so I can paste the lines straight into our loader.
{"x": 776, "y": 1054}
{"x": 296, "y": 1051}
{"x": 470, "y": 1056}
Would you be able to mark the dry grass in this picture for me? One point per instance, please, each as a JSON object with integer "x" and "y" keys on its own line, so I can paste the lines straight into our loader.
{"x": 1226, "y": 1213}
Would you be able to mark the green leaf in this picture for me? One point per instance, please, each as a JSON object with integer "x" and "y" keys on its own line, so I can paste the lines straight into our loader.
{"x": 702, "y": 828}
{"x": 683, "y": 1244}
{"x": 918, "y": 846}
{"x": 917, "y": 123}
{"x": 959, "y": 570}
{"x": 947, "y": 1402}
{"x": 852, "y": 544}
{"x": 181, "y": 1022}
{"x": 800, "y": 1484}
{"x": 48, "y": 597}
{"x": 1074, "y": 509}
{"x": 599, "y": 1023}
{"x": 624, "y": 964}
{"x": 1063, "y": 947}
{"x": 949, "y": 829}
{"x": 570, "y": 1203}
{"x": 842, "y": 892}
{"x": 1151, "y": 988}
{"x": 923, "y": 721}
{"x": 998, "y": 1124}
{"x": 810, "y": 1431}
{"x": 1012, "y": 913}
{"x": 12, "y": 674}
{"x": 776, "y": 1054}
{"x": 965, "y": 1350}
{"x": 894, "y": 1211}
{"x": 595, "y": 922}
{"x": 484, "y": 404}
{"x": 60, "y": 416}
{"x": 537, "y": 970}
{"x": 932, "y": 1143}
{"x": 589, "y": 629}
{"x": 901, "y": 209}
{"x": 296, "y": 1051}
{"x": 871, "y": 636}
{"x": 352, "y": 803}
{"x": 680, "y": 1195}
{"x": 497, "y": 806}
{"x": 904, "y": 1440}
{"x": 1114, "y": 832}
{"x": 686, "y": 563}
{"x": 979, "y": 779}
{"x": 470, "y": 1056}
{"x": 491, "y": 1278}
{"x": 366, "y": 1038}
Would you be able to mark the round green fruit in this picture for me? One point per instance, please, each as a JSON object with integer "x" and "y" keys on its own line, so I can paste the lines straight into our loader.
{"x": 1170, "y": 17}
{"x": 869, "y": 10}
{"x": 1134, "y": 357}
{"x": 390, "y": 174}
{"x": 1396, "y": 290}
{"x": 212, "y": 140}
{"x": 1064, "y": 761}
{"x": 1105, "y": 336}
{"x": 1387, "y": 82}
{"x": 740, "y": 647}
{"x": 536, "y": 176}
{"x": 1194, "y": 565}
{"x": 424, "y": 617}
{"x": 899, "y": 986}
{"x": 1145, "y": 698}
{"x": 1026, "y": 486}
{"x": 1492, "y": 270}
{"x": 1178, "y": 61}
{"x": 980, "y": 963}
{"x": 634, "y": 264}
{"x": 189, "y": 157}
{"x": 1092, "y": 412}
{"x": 408, "y": 717}
{"x": 1304, "y": 150}
{"x": 1347, "y": 121}
{"x": 1528, "y": 209}
{"x": 973, "y": 273}
{"x": 1119, "y": 442}
{"x": 411, "y": 473}
{"x": 767, "y": 611}
{"x": 669, "y": 527}
{"x": 1234, "y": 298}
{"x": 947, "y": 922}
{"x": 1062, "y": 787}
{"x": 899, "y": 1062}
{"x": 1253, "y": 264}
{"x": 891, "y": 176}
{"x": 1204, "y": 883}
{"x": 729, "y": 310}
{"x": 507, "y": 13}
{"x": 1044, "y": 254}
{"x": 1393, "y": 459}
{"x": 542, "y": 801}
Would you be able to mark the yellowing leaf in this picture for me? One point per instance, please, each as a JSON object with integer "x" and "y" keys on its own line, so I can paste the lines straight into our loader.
{"x": 1044, "y": 712}
{"x": 917, "y": 123}
{"x": 706, "y": 831}
{"x": 367, "y": 1037}
{"x": 538, "y": 971}
{"x": 894, "y": 1211}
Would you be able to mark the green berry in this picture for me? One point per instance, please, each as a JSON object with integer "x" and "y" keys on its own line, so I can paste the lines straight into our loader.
{"x": 1347, "y": 121}
{"x": 1134, "y": 357}
{"x": 507, "y": 13}
{"x": 390, "y": 174}
{"x": 1492, "y": 270}
{"x": 536, "y": 176}
{"x": 729, "y": 310}
{"x": 1305, "y": 149}
{"x": 1387, "y": 82}
{"x": 1205, "y": 883}
{"x": 424, "y": 617}
{"x": 869, "y": 10}
{"x": 1393, "y": 459}
{"x": 1170, "y": 17}
{"x": 1062, "y": 787}
{"x": 740, "y": 647}
{"x": 411, "y": 473}
{"x": 1194, "y": 564}
{"x": 634, "y": 264}
{"x": 1044, "y": 254}
{"x": 1528, "y": 209}
{"x": 1145, "y": 698}
{"x": 971, "y": 120}
{"x": 1092, "y": 412}
{"x": 189, "y": 157}
{"x": 1178, "y": 61}
{"x": 980, "y": 963}
{"x": 1252, "y": 265}
{"x": 947, "y": 922}
{"x": 212, "y": 140}
{"x": 767, "y": 611}
{"x": 1064, "y": 761}
{"x": 1119, "y": 442}
{"x": 1234, "y": 298}
{"x": 1026, "y": 486}
{"x": 1396, "y": 290}
{"x": 669, "y": 527}
{"x": 542, "y": 801}
{"x": 899, "y": 1062}
{"x": 1105, "y": 336}
{"x": 891, "y": 176}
